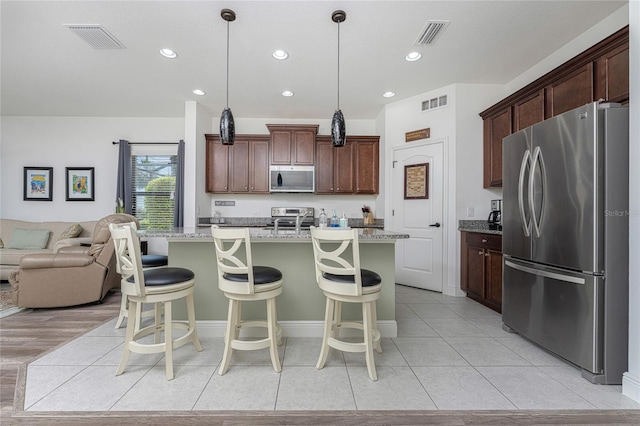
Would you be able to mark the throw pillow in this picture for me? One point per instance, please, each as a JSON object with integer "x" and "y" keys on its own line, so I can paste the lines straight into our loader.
{"x": 29, "y": 238}
{"x": 1, "y": 243}
{"x": 71, "y": 232}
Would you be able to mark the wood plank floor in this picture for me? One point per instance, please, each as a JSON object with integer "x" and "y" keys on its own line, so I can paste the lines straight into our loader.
{"x": 31, "y": 333}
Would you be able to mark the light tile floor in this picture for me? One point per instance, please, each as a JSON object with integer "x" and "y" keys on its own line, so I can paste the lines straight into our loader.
{"x": 450, "y": 354}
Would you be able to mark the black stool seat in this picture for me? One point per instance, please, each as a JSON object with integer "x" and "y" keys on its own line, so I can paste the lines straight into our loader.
{"x": 261, "y": 275}
{"x": 369, "y": 278}
{"x": 154, "y": 260}
{"x": 165, "y": 276}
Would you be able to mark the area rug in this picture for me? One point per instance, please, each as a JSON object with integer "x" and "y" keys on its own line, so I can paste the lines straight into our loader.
{"x": 5, "y": 300}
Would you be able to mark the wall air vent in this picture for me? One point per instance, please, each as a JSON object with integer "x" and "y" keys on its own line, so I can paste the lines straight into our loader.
{"x": 96, "y": 36}
{"x": 431, "y": 32}
{"x": 433, "y": 103}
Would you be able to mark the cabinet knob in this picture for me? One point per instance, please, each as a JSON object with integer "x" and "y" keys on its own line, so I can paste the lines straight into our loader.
{"x": 246, "y": 187}
{"x": 480, "y": 253}
{"x": 484, "y": 240}
{"x": 486, "y": 254}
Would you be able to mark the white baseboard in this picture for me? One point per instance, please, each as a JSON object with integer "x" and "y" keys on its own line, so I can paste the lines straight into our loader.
{"x": 388, "y": 328}
{"x": 631, "y": 386}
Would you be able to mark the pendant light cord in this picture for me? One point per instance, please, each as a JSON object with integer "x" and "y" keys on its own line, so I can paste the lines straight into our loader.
{"x": 338, "y": 65}
{"x": 227, "y": 64}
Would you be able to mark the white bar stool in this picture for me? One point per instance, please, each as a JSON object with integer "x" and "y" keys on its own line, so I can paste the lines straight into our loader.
{"x": 339, "y": 276}
{"x": 149, "y": 261}
{"x": 160, "y": 286}
{"x": 242, "y": 282}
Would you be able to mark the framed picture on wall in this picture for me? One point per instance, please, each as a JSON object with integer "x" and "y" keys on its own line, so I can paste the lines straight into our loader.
{"x": 416, "y": 181}
{"x": 80, "y": 184}
{"x": 38, "y": 184}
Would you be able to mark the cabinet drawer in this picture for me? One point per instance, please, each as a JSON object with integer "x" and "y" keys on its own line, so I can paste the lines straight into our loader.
{"x": 489, "y": 241}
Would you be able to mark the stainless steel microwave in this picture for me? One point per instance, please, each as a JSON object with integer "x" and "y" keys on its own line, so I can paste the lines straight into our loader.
{"x": 292, "y": 178}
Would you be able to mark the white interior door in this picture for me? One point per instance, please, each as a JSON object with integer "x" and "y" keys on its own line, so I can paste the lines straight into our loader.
{"x": 419, "y": 259}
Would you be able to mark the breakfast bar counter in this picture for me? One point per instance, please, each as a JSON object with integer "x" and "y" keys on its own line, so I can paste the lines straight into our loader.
{"x": 301, "y": 304}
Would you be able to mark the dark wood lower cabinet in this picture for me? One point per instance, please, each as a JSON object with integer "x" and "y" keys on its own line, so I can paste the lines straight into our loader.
{"x": 481, "y": 268}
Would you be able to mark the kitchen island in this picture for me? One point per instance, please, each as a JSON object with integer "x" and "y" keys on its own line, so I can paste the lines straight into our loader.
{"x": 301, "y": 304}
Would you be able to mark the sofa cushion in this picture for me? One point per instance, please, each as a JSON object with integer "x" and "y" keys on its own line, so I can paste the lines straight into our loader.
{"x": 29, "y": 239}
{"x": 11, "y": 257}
{"x": 71, "y": 232}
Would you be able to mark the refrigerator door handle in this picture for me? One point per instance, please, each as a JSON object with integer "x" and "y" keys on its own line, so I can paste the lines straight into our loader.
{"x": 535, "y": 161}
{"x": 526, "y": 226}
{"x": 545, "y": 274}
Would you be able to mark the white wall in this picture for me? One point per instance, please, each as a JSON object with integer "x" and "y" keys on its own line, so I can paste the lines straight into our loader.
{"x": 61, "y": 142}
{"x": 631, "y": 379}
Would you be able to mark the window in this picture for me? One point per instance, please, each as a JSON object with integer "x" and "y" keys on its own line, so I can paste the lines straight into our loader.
{"x": 153, "y": 184}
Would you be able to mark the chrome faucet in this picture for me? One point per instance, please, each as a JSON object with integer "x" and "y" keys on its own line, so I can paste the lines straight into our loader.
{"x": 275, "y": 225}
{"x": 300, "y": 218}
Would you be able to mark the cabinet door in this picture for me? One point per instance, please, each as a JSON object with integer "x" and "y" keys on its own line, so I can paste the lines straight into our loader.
{"x": 366, "y": 172}
{"x": 324, "y": 167}
{"x": 528, "y": 111}
{"x": 280, "y": 147}
{"x": 343, "y": 169}
{"x": 259, "y": 167}
{"x": 217, "y": 167}
{"x": 475, "y": 271}
{"x": 496, "y": 127}
{"x": 239, "y": 166}
{"x": 572, "y": 91}
{"x": 303, "y": 147}
{"x": 612, "y": 75}
{"x": 493, "y": 278}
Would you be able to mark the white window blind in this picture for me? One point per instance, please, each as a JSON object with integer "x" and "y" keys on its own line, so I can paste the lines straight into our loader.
{"x": 153, "y": 184}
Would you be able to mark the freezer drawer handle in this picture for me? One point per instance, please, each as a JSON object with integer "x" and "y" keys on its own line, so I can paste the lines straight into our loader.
{"x": 545, "y": 274}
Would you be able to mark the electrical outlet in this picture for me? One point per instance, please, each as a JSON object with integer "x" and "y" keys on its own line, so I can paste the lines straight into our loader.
{"x": 470, "y": 212}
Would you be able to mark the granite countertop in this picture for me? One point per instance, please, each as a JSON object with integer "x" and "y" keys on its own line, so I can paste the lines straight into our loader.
{"x": 480, "y": 226}
{"x": 364, "y": 234}
{"x": 261, "y": 222}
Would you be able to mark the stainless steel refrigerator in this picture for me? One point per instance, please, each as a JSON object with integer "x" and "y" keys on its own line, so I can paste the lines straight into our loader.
{"x": 565, "y": 237}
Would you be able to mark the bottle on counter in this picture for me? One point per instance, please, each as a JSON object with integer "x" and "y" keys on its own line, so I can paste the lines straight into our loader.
{"x": 343, "y": 220}
{"x": 322, "y": 219}
{"x": 334, "y": 220}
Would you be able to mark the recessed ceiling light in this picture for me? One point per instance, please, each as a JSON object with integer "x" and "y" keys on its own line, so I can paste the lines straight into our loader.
{"x": 199, "y": 92}
{"x": 168, "y": 53}
{"x": 280, "y": 54}
{"x": 287, "y": 93}
{"x": 389, "y": 94}
{"x": 413, "y": 56}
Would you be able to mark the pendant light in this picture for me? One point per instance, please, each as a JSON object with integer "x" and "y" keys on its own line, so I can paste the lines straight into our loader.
{"x": 227, "y": 126}
{"x": 338, "y": 137}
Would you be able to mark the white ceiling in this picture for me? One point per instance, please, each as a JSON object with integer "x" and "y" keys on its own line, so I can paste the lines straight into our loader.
{"x": 47, "y": 70}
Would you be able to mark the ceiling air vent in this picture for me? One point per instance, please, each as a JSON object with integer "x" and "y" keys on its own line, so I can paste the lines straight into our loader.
{"x": 431, "y": 32}
{"x": 433, "y": 103}
{"x": 96, "y": 36}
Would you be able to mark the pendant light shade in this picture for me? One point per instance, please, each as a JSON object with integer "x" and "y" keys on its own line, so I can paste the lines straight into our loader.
{"x": 227, "y": 125}
{"x": 338, "y": 134}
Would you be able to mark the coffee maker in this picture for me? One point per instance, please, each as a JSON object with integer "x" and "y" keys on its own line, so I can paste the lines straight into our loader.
{"x": 495, "y": 217}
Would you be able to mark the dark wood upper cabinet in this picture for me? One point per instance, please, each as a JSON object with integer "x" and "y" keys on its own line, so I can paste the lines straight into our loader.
{"x": 571, "y": 91}
{"x": 351, "y": 169}
{"x": 528, "y": 111}
{"x": 496, "y": 127}
{"x": 239, "y": 168}
{"x": 293, "y": 144}
{"x": 366, "y": 164}
{"x": 612, "y": 75}
{"x": 599, "y": 73}
{"x": 334, "y": 167}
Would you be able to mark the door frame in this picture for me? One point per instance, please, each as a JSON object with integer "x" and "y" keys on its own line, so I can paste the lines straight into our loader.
{"x": 450, "y": 225}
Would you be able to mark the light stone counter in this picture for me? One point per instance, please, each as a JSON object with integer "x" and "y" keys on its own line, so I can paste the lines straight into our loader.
{"x": 301, "y": 304}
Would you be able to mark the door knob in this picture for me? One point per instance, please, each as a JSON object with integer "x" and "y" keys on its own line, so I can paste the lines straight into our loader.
{"x": 435, "y": 225}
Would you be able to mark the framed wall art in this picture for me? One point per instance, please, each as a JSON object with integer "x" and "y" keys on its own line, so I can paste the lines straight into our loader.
{"x": 416, "y": 181}
{"x": 80, "y": 184}
{"x": 38, "y": 184}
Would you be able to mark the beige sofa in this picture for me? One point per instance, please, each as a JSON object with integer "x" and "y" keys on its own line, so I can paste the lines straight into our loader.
{"x": 75, "y": 275}
{"x": 10, "y": 258}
